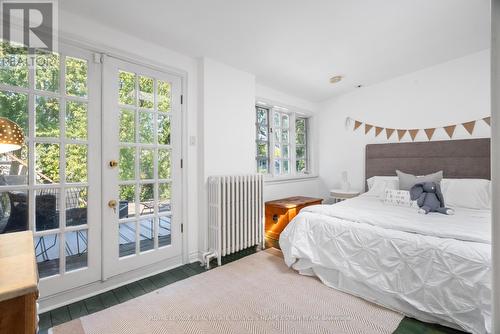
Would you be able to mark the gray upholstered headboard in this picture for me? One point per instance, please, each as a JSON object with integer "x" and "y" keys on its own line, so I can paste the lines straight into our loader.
{"x": 467, "y": 159}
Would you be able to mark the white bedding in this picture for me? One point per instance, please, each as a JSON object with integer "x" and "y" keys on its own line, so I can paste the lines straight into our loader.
{"x": 433, "y": 267}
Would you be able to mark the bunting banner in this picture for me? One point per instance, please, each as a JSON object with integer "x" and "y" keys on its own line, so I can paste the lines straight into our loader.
{"x": 413, "y": 133}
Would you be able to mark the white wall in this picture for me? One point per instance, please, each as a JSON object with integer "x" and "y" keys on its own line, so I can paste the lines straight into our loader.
{"x": 453, "y": 92}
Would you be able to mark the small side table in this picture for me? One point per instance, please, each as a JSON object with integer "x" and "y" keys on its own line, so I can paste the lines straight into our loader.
{"x": 340, "y": 195}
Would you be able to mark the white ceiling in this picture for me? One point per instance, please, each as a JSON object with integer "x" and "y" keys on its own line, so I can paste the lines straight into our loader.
{"x": 296, "y": 45}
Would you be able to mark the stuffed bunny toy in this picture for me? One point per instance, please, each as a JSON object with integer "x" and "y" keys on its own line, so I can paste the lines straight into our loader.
{"x": 429, "y": 198}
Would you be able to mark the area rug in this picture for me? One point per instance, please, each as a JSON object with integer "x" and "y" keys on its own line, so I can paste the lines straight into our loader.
{"x": 256, "y": 294}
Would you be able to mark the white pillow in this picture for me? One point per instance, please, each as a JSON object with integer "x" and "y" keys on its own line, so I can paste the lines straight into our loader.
{"x": 467, "y": 193}
{"x": 399, "y": 198}
{"x": 380, "y": 185}
{"x": 372, "y": 179}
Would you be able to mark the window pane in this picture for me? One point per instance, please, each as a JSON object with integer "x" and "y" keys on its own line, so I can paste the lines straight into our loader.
{"x": 76, "y": 120}
{"x": 146, "y": 164}
{"x": 47, "y": 209}
{"x": 286, "y": 166}
{"x": 163, "y": 164}
{"x": 277, "y": 135}
{"x": 301, "y": 166}
{"x": 300, "y": 126}
{"x": 76, "y": 77}
{"x": 126, "y": 165}
{"x": 13, "y": 66}
{"x": 146, "y": 198}
{"x": 14, "y": 106}
{"x": 126, "y": 235}
{"x": 127, "y": 201}
{"x": 262, "y": 149}
{"x": 146, "y": 94}
{"x": 47, "y": 255}
{"x": 76, "y": 249}
{"x": 277, "y": 120}
{"x": 14, "y": 167}
{"x": 277, "y": 150}
{"x": 13, "y": 211}
{"x": 76, "y": 206}
{"x": 47, "y": 72}
{"x": 284, "y": 136}
{"x": 146, "y": 127}
{"x": 127, "y": 126}
{"x": 262, "y": 116}
{"x": 163, "y": 130}
{"x": 76, "y": 163}
{"x": 164, "y": 238}
{"x": 47, "y": 163}
{"x": 277, "y": 167}
{"x": 47, "y": 117}
{"x": 262, "y": 166}
{"x": 285, "y": 151}
{"x": 146, "y": 234}
{"x": 164, "y": 193}
{"x": 163, "y": 96}
{"x": 300, "y": 139}
{"x": 126, "y": 86}
{"x": 262, "y": 133}
{"x": 284, "y": 121}
{"x": 301, "y": 152}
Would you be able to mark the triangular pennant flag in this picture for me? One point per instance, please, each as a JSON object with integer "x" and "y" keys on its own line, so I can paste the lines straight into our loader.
{"x": 413, "y": 133}
{"x": 401, "y": 134}
{"x": 487, "y": 120}
{"x": 469, "y": 126}
{"x": 378, "y": 130}
{"x": 389, "y": 132}
{"x": 357, "y": 124}
{"x": 368, "y": 127}
{"x": 450, "y": 130}
{"x": 430, "y": 133}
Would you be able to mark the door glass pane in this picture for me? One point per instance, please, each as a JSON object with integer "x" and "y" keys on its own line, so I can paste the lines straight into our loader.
{"x": 127, "y": 126}
{"x": 301, "y": 166}
{"x": 146, "y": 234}
{"x": 277, "y": 150}
{"x": 14, "y": 167}
{"x": 126, "y": 165}
{"x": 13, "y": 65}
{"x": 164, "y": 237}
{"x": 262, "y": 149}
{"x": 284, "y": 136}
{"x": 284, "y": 121}
{"x": 47, "y": 72}
{"x": 163, "y": 130}
{"x": 47, "y": 117}
{"x": 47, "y": 255}
{"x": 163, "y": 96}
{"x": 262, "y": 166}
{"x": 277, "y": 120}
{"x": 277, "y": 135}
{"x": 14, "y": 106}
{"x": 165, "y": 195}
{"x": 146, "y": 197}
{"x": 13, "y": 211}
{"x": 277, "y": 166}
{"x": 76, "y": 77}
{"x": 126, "y": 237}
{"x": 262, "y": 116}
{"x": 286, "y": 166}
{"x": 76, "y": 120}
{"x": 146, "y": 133}
{"x": 126, "y": 86}
{"x": 76, "y": 249}
{"x": 47, "y": 163}
{"x": 262, "y": 133}
{"x": 127, "y": 201}
{"x": 47, "y": 209}
{"x": 146, "y": 93}
{"x": 147, "y": 164}
{"x": 301, "y": 151}
{"x": 285, "y": 151}
{"x": 164, "y": 164}
{"x": 76, "y": 163}
{"x": 76, "y": 206}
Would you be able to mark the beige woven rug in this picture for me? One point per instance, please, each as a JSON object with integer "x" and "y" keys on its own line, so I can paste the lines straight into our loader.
{"x": 256, "y": 294}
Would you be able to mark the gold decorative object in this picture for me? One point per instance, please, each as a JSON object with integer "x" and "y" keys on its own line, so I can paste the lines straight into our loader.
{"x": 11, "y": 136}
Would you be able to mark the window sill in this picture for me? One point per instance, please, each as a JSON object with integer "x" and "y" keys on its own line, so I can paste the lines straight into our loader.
{"x": 288, "y": 179}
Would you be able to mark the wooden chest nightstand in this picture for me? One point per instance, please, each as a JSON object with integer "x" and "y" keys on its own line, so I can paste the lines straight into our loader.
{"x": 280, "y": 212}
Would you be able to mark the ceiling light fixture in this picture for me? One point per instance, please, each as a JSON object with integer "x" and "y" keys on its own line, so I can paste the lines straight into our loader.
{"x": 335, "y": 79}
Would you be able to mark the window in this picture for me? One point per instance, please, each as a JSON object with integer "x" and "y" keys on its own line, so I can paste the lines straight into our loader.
{"x": 281, "y": 139}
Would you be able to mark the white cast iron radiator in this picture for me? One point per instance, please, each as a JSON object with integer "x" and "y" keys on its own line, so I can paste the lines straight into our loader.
{"x": 235, "y": 215}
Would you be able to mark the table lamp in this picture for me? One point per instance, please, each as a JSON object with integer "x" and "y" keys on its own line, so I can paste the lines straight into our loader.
{"x": 11, "y": 136}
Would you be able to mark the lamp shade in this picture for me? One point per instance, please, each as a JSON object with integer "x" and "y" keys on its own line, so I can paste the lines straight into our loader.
{"x": 11, "y": 136}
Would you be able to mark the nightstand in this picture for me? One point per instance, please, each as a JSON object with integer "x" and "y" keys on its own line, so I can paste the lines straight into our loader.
{"x": 340, "y": 195}
{"x": 280, "y": 212}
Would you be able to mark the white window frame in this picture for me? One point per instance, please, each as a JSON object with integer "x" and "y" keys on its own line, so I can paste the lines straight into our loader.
{"x": 293, "y": 115}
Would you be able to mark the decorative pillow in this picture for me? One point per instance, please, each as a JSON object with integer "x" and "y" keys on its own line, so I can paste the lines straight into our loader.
{"x": 399, "y": 198}
{"x": 467, "y": 193}
{"x": 380, "y": 185}
{"x": 372, "y": 180}
{"x": 406, "y": 181}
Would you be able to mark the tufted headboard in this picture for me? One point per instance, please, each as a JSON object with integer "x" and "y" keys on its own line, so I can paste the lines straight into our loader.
{"x": 467, "y": 159}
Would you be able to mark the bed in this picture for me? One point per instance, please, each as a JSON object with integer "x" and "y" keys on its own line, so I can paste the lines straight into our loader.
{"x": 434, "y": 267}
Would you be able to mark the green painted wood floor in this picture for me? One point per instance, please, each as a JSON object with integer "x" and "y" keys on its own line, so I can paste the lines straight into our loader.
{"x": 138, "y": 288}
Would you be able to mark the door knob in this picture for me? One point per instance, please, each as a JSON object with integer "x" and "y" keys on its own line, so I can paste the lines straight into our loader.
{"x": 112, "y": 204}
{"x": 113, "y": 163}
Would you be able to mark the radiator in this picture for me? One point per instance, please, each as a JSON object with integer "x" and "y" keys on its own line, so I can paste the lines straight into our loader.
{"x": 235, "y": 215}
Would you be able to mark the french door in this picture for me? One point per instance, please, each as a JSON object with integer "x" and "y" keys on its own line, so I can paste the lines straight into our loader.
{"x": 141, "y": 121}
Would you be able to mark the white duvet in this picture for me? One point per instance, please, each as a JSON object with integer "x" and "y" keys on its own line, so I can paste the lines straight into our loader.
{"x": 432, "y": 267}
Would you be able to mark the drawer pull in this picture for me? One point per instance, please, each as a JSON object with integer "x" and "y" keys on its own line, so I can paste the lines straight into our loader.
{"x": 275, "y": 218}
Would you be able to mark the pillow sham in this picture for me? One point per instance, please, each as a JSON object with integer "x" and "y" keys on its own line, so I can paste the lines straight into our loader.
{"x": 372, "y": 180}
{"x": 467, "y": 193}
{"x": 406, "y": 181}
{"x": 399, "y": 198}
{"x": 380, "y": 185}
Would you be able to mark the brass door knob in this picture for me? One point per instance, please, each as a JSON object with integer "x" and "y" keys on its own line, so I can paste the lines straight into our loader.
{"x": 113, "y": 164}
{"x": 112, "y": 204}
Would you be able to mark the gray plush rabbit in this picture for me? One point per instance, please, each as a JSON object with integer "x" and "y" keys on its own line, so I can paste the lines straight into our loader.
{"x": 429, "y": 198}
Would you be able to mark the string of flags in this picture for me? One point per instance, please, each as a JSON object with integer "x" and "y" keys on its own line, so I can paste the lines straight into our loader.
{"x": 450, "y": 129}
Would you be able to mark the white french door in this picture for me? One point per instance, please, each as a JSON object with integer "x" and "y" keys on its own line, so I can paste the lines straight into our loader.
{"x": 141, "y": 173}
